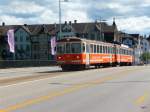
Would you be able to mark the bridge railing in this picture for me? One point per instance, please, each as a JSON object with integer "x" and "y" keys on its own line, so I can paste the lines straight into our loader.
{"x": 26, "y": 63}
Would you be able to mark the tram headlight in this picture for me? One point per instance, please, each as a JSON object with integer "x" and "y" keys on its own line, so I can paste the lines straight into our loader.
{"x": 78, "y": 57}
{"x": 59, "y": 57}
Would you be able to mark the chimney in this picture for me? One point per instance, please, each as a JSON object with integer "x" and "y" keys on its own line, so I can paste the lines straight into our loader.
{"x": 70, "y": 23}
{"x": 65, "y": 22}
{"x": 114, "y": 23}
{"x": 3, "y": 23}
{"x": 95, "y": 21}
{"x": 55, "y": 25}
{"x": 25, "y": 24}
{"x": 75, "y": 21}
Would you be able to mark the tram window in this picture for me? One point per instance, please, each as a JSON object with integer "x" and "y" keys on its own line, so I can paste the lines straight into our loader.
{"x": 98, "y": 49}
{"x": 117, "y": 50}
{"x": 113, "y": 52}
{"x": 83, "y": 48}
{"x": 68, "y": 48}
{"x": 123, "y": 51}
{"x": 87, "y": 48}
{"x": 75, "y": 48}
{"x": 110, "y": 50}
{"x": 106, "y": 49}
{"x": 130, "y": 53}
{"x": 101, "y": 49}
{"x": 91, "y": 48}
{"x": 60, "y": 48}
{"x": 94, "y": 48}
{"x": 127, "y": 52}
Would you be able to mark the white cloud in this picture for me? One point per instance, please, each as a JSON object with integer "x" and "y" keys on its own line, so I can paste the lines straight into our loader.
{"x": 80, "y": 16}
{"x": 115, "y": 6}
{"x": 132, "y": 15}
{"x": 11, "y": 20}
{"x": 48, "y": 17}
{"x": 25, "y": 7}
{"x": 134, "y": 24}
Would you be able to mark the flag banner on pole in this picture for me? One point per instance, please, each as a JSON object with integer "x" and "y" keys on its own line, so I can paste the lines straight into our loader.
{"x": 53, "y": 45}
{"x": 11, "y": 43}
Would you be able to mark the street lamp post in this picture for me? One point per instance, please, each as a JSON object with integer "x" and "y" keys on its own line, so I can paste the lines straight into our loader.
{"x": 139, "y": 48}
{"x": 59, "y": 19}
{"x": 101, "y": 33}
{"x": 60, "y": 30}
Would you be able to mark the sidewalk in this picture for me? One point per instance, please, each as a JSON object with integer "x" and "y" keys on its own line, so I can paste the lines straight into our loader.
{"x": 21, "y": 72}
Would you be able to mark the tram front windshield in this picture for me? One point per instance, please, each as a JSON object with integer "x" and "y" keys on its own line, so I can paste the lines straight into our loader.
{"x": 69, "y": 48}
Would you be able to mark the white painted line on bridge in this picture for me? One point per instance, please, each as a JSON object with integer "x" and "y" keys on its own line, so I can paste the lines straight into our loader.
{"x": 31, "y": 81}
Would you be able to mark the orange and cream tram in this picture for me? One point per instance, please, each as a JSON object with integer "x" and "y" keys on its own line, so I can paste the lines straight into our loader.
{"x": 77, "y": 53}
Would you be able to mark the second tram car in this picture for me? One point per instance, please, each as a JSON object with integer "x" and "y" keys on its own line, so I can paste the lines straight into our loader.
{"x": 77, "y": 53}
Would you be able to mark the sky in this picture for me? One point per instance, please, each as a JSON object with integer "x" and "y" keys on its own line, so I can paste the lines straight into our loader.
{"x": 131, "y": 16}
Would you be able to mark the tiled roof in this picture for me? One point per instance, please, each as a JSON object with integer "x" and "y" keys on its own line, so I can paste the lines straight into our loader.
{"x": 4, "y": 29}
{"x": 87, "y": 27}
{"x": 37, "y": 29}
{"x": 135, "y": 35}
{"x": 52, "y": 29}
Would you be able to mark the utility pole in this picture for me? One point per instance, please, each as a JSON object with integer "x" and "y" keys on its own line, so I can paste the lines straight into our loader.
{"x": 139, "y": 46}
{"x": 60, "y": 30}
{"x": 101, "y": 27}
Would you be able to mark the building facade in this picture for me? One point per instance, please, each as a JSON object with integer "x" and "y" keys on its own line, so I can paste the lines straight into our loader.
{"x": 90, "y": 31}
{"x": 22, "y": 43}
{"x": 41, "y": 45}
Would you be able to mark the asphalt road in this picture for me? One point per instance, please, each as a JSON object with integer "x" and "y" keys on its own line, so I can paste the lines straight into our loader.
{"x": 118, "y": 89}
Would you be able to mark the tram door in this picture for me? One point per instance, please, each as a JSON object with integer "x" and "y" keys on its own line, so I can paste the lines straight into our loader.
{"x": 87, "y": 54}
{"x": 119, "y": 56}
{"x": 110, "y": 52}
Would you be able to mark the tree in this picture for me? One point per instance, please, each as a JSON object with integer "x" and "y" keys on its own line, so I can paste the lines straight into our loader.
{"x": 145, "y": 57}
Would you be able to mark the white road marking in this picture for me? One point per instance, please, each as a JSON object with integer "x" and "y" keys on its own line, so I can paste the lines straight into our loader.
{"x": 32, "y": 81}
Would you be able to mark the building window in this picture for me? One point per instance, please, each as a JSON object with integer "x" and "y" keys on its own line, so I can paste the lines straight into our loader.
{"x": 21, "y": 47}
{"x": 16, "y": 47}
{"x": 27, "y": 38}
{"x": 16, "y": 39}
{"x": 21, "y": 38}
{"x": 27, "y": 48}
